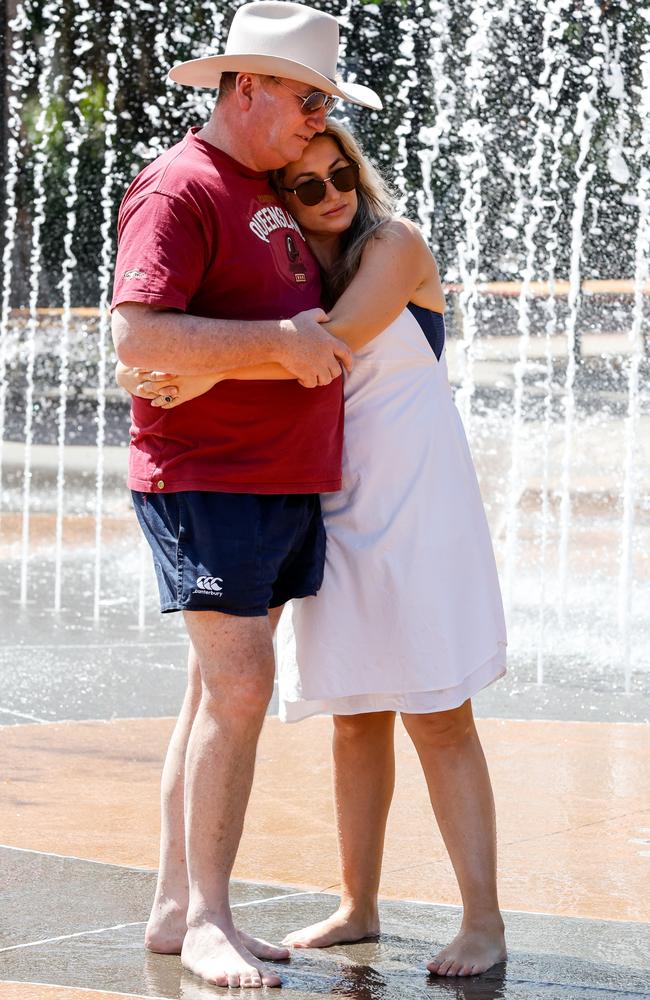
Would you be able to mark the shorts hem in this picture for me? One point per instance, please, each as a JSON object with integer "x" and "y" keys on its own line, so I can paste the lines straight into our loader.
{"x": 236, "y": 612}
{"x": 275, "y": 603}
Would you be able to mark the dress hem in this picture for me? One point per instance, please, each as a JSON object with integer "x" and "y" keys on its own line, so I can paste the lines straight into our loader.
{"x": 412, "y": 702}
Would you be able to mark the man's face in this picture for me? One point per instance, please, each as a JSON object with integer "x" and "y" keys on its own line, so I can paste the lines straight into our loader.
{"x": 283, "y": 129}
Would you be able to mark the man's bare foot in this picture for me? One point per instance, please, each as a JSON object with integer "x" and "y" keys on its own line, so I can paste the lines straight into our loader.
{"x": 219, "y": 956}
{"x": 262, "y": 949}
{"x": 342, "y": 927}
{"x": 166, "y": 927}
{"x": 473, "y": 950}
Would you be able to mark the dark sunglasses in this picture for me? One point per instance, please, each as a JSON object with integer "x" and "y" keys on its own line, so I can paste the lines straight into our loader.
{"x": 313, "y": 191}
{"x": 312, "y": 102}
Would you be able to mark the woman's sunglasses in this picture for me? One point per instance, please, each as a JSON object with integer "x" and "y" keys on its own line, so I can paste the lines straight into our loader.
{"x": 312, "y": 102}
{"x": 313, "y": 191}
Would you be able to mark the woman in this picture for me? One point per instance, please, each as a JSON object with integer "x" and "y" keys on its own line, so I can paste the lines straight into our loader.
{"x": 409, "y": 617}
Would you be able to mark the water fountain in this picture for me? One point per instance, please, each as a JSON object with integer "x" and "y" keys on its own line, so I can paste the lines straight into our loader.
{"x": 519, "y": 137}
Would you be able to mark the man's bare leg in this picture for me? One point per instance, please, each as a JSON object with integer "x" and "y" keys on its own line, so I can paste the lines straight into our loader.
{"x": 167, "y": 923}
{"x": 168, "y": 919}
{"x": 364, "y": 778}
{"x": 461, "y": 795}
{"x": 237, "y": 667}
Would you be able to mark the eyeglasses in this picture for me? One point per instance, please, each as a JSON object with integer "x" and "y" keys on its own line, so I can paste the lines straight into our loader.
{"x": 312, "y": 102}
{"x": 313, "y": 191}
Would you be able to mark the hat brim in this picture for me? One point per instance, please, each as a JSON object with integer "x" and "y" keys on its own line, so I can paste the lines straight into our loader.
{"x": 207, "y": 72}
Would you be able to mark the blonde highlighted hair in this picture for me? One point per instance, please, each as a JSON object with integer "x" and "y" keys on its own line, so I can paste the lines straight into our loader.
{"x": 376, "y": 207}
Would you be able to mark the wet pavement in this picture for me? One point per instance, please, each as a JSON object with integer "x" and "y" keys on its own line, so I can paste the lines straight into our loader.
{"x": 95, "y": 943}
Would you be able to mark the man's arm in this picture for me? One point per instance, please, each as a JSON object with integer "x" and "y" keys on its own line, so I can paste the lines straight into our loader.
{"x": 146, "y": 337}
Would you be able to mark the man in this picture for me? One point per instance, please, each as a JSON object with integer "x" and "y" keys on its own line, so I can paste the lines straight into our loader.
{"x": 226, "y": 487}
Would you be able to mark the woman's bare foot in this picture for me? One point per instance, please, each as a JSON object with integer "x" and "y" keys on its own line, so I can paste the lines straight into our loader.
{"x": 474, "y": 950}
{"x": 166, "y": 927}
{"x": 342, "y": 927}
{"x": 219, "y": 956}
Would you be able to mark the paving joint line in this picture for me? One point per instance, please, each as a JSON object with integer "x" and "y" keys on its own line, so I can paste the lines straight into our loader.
{"x": 74, "y": 857}
{"x": 68, "y": 937}
{"x": 574, "y": 829}
{"x": 22, "y": 715}
{"x": 391, "y": 901}
{"x": 273, "y": 899}
{"x": 80, "y": 989}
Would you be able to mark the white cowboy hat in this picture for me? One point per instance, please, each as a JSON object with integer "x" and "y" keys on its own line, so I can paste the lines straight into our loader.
{"x": 277, "y": 38}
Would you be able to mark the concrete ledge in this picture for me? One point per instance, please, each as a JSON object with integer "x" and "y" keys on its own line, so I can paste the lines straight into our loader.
{"x": 78, "y": 458}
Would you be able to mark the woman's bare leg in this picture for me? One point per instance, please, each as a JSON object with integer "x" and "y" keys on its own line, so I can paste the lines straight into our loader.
{"x": 364, "y": 778}
{"x": 461, "y": 795}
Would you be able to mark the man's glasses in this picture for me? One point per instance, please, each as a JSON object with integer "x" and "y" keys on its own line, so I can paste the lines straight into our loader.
{"x": 312, "y": 102}
{"x": 313, "y": 191}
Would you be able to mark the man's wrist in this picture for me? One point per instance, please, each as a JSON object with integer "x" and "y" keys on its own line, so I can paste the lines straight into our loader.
{"x": 283, "y": 336}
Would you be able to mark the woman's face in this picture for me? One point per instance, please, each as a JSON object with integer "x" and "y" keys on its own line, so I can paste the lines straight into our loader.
{"x": 332, "y": 215}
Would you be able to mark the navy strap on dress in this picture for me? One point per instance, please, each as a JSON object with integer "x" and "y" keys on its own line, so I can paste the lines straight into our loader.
{"x": 432, "y": 325}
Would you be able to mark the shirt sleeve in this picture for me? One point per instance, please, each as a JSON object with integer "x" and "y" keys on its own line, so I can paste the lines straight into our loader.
{"x": 162, "y": 252}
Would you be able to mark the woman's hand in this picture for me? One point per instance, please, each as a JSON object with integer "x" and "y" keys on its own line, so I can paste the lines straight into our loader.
{"x": 163, "y": 388}
{"x": 183, "y": 388}
{"x": 133, "y": 379}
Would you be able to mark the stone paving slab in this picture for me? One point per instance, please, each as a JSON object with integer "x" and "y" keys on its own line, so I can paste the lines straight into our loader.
{"x": 95, "y": 894}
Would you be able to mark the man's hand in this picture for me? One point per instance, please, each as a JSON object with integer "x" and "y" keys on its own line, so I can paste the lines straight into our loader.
{"x": 309, "y": 352}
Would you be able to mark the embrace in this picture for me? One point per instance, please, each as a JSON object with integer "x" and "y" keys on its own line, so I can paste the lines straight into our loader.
{"x": 294, "y": 439}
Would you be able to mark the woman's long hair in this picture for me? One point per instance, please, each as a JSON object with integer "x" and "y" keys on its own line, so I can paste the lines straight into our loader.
{"x": 376, "y": 207}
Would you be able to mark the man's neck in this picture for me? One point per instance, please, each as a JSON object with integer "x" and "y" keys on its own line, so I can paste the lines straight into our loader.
{"x": 219, "y": 132}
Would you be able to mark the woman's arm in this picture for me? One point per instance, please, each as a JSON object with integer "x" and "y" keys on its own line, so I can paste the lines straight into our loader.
{"x": 182, "y": 388}
{"x": 396, "y": 268}
{"x": 168, "y": 391}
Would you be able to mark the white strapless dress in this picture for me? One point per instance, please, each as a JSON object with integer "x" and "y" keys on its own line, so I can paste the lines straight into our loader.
{"x": 409, "y": 617}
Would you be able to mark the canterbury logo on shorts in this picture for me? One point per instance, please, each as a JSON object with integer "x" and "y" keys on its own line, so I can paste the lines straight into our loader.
{"x": 209, "y": 585}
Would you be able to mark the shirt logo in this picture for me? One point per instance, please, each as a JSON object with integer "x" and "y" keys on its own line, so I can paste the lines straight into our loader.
{"x": 134, "y": 273}
{"x": 297, "y": 266}
{"x": 292, "y": 249}
{"x": 267, "y": 220}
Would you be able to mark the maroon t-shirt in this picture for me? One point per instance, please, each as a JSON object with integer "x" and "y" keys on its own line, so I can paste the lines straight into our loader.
{"x": 201, "y": 233}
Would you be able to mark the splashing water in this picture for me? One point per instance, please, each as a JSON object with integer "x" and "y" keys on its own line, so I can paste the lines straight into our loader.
{"x": 51, "y": 14}
{"x": 631, "y": 461}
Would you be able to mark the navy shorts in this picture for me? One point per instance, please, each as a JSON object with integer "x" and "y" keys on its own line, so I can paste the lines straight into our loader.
{"x": 240, "y": 553}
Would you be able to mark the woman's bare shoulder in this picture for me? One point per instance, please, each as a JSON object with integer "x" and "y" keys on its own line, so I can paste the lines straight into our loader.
{"x": 401, "y": 230}
{"x": 408, "y": 238}
{"x": 428, "y": 292}
{"x": 397, "y": 238}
